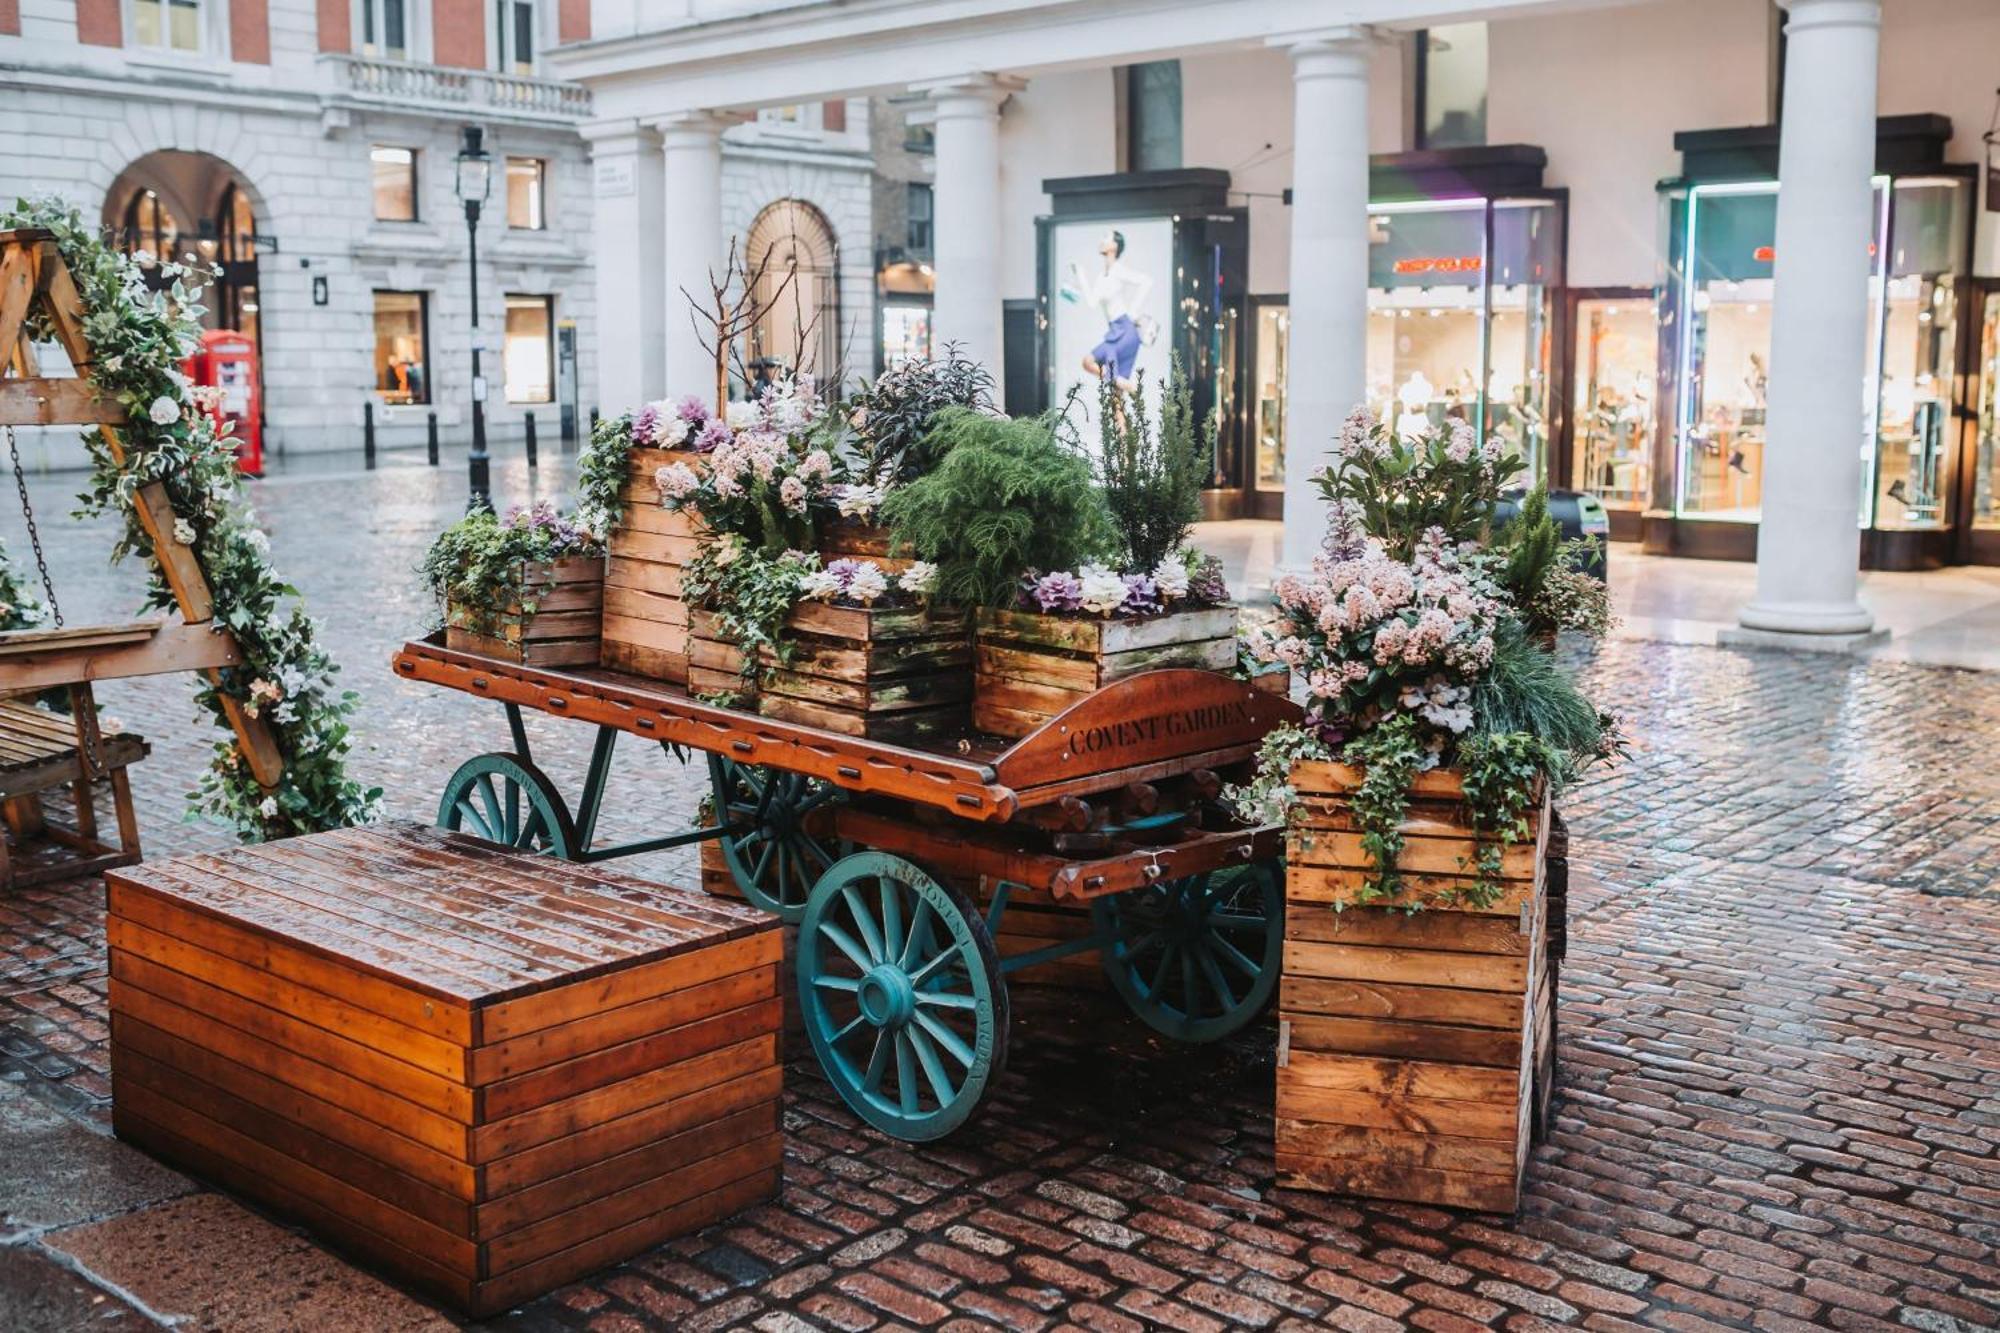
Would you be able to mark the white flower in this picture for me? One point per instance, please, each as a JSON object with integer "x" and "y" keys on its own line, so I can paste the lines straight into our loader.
{"x": 743, "y": 416}
{"x": 867, "y": 584}
{"x": 164, "y": 411}
{"x": 727, "y": 550}
{"x": 109, "y": 725}
{"x": 858, "y": 501}
{"x": 1171, "y": 578}
{"x": 183, "y": 532}
{"x": 919, "y": 579}
{"x": 270, "y": 807}
{"x": 675, "y": 481}
{"x": 1103, "y": 591}
{"x": 819, "y": 586}
{"x": 669, "y": 429}
{"x": 792, "y": 494}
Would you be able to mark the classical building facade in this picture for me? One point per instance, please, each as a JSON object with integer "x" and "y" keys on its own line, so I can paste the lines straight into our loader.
{"x": 309, "y": 146}
{"x": 1531, "y": 214}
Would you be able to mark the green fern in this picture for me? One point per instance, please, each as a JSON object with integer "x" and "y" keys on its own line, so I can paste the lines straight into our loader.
{"x": 1152, "y": 479}
{"x": 1526, "y": 690}
{"x": 1006, "y": 497}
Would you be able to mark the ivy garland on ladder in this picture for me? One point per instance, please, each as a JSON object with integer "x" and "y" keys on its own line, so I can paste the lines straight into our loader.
{"x": 138, "y": 338}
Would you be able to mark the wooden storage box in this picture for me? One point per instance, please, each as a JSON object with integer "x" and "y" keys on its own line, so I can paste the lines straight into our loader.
{"x": 888, "y": 673}
{"x": 487, "y": 1072}
{"x": 715, "y": 665}
{"x": 849, "y": 539}
{"x": 645, "y": 620}
{"x": 562, "y": 630}
{"x": 1028, "y": 667}
{"x": 1407, "y": 1041}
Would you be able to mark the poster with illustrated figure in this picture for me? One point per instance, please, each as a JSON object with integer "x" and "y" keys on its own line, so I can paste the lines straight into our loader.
{"x": 1112, "y": 297}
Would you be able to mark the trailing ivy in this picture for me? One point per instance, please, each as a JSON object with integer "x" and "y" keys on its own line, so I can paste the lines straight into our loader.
{"x": 19, "y": 608}
{"x": 751, "y": 592}
{"x": 478, "y": 566}
{"x": 138, "y": 339}
{"x": 600, "y": 474}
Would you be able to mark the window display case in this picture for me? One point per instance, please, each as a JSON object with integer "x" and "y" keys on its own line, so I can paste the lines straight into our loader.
{"x": 1613, "y": 379}
{"x": 1719, "y": 248}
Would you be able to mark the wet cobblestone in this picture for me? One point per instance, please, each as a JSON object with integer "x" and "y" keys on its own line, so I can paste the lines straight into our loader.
{"x": 1779, "y": 1042}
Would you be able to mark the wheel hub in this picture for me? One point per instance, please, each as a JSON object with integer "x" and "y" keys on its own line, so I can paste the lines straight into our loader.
{"x": 887, "y": 997}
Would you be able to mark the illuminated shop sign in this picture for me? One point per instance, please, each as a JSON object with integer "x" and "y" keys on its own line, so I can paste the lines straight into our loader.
{"x": 1440, "y": 264}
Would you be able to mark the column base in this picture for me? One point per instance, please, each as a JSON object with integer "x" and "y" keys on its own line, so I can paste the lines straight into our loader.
{"x": 1740, "y": 636}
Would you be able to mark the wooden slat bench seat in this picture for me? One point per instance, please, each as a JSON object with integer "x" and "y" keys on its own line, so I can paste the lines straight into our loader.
{"x": 487, "y": 1072}
{"x": 43, "y": 751}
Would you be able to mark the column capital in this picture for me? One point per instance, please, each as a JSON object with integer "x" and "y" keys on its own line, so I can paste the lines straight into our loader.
{"x": 1341, "y": 50}
{"x": 977, "y": 92}
{"x": 625, "y": 134}
{"x": 681, "y": 127}
{"x": 1802, "y": 15}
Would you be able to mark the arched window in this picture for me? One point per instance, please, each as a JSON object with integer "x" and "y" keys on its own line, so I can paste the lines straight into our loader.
{"x": 800, "y": 327}
{"x": 149, "y": 225}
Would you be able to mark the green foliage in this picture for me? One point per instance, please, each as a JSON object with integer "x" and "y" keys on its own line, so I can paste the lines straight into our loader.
{"x": 477, "y": 566}
{"x": 1152, "y": 479}
{"x": 137, "y": 339}
{"x": 1502, "y": 774}
{"x": 751, "y": 592}
{"x": 1389, "y": 757}
{"x": 1525, "y": 690}
{"x": 892, "y": 417}
{"x": 600, "y": 474}
{"x": 1530, "y": 544}
{"x": 1268, "y": 798}
{"x": 1400, "y": 489}
{"x": 19, "y": 608}
{"x": 1006, "y": 497}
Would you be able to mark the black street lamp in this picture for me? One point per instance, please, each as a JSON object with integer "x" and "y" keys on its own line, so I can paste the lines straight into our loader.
{"x": 475, "y": 183}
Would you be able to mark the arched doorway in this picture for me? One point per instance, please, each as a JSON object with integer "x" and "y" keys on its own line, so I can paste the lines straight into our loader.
{"x": 800, "y": 329}
{"x": 174, "y": 204}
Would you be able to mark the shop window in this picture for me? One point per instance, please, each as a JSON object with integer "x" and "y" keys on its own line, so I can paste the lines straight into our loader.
{"x": 529, "y": 355}
{"x": 833, "y": 116}
{"x": 514, "y": 36}
{"x": 149, "y": 225}
{"x": 1612, "y": 412}
{"x": 167, "y": 25}
{"x": 1451, "y": 86}
{"x": 402, "y": 347}
{"x": 791, "y": 249}
{"x": 1153, "y": 115}
{"x": 921, "y": 203}
{"x": 395, "y": 171}
{"x": 906, "y": 334}
{"x": 385, "y": 29}
{"x": 1986, "y": 460}
{"x": 919, "y": 138}
{"x": 1912, "y": 391}
{"x": 1274, "y": 329}
{"x": 526, "y": 201}
{"x": 236, "y": 297}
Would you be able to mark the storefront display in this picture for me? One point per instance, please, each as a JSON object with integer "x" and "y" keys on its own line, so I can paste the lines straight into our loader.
{"x": 1613, "y": 389}
{"x": 1985, "y": 480}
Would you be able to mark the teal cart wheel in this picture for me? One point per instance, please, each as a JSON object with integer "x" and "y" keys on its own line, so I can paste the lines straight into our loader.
{"x": 772, "y": 847}
{"x": 505, "y": 799}
{"x": 1197, "y": 958}
{"x": 901, "y": 994}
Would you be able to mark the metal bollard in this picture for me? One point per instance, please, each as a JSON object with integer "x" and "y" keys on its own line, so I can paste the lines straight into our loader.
{"x": 368, "y": 432}
{"x": 528, "y": 419}
{"x": 431, "y": 432}
{"x": 593, "y": 423}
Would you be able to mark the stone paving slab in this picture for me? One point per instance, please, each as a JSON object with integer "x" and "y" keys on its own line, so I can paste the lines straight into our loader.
{"x": 40, "y": 1294}
{"x": 55, "y": 1172}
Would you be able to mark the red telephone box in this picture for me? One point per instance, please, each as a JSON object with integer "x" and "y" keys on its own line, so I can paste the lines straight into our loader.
{"x": 227, "y": 361}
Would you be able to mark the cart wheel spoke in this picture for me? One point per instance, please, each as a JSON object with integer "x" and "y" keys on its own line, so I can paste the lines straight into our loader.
{"x": 507, "y": 800}
{"x": 773, "y": 849}
{"x": 921, "y": 970}
{"x": 1196, "y": 958}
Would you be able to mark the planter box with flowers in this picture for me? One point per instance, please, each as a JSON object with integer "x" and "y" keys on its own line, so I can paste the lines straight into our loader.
{"x": 1416, "y": 800}
{"x": 619, "y": 474}
{"x": 527, "y": 588}
{"x": 1072, "y": 634}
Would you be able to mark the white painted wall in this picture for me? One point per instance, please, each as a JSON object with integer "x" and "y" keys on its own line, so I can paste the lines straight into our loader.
{"x": 1605, "y": 91}
{"x": 1059, "y": 125}
{"x": 1944, "y": 56}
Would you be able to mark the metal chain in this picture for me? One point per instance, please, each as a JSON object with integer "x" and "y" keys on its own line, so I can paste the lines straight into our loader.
{"x": 34, "y": 537}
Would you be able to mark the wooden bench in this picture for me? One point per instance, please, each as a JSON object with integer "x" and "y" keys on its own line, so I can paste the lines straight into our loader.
{"x": 487, "y": 1072}
{"x": 43, "y": 751}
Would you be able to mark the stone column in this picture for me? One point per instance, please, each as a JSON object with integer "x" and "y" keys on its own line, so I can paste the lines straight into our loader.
{"x": 967, "y": 208}
{"x": 1808, "y": 545}
{"x": 691, "y": 153}
{"x": 1329, "y": 279}
{"x": 630, "y": 323}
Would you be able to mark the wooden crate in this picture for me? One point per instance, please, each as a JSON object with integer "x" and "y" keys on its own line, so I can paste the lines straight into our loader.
{"x": 1407, "y": 1041}
{"x": 888, "y": 673}
{"x": 562, "y": 630}
{"x": 715, "y": 665}
{"x": 848, "y": 539}
{"x": 645, "y": 618}
{"x": 1028, "y": 667}
{"x": 486, "y": 1072}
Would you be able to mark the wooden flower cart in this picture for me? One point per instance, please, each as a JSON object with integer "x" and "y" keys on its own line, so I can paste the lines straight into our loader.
{"x": 869, "y": 847}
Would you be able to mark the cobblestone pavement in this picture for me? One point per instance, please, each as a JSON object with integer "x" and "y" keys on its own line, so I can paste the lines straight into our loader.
{"x": 1778, "y": 1052}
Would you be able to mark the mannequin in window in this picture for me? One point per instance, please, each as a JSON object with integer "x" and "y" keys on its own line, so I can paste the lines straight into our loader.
{"x": 1119, "y": 292}
{"x": 1415, "y": 396}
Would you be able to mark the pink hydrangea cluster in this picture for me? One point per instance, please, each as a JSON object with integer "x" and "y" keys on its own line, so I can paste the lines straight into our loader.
{"x": 1373, "y": 634}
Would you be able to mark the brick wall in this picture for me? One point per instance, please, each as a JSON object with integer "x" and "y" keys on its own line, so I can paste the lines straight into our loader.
{"x": 573, "y": 21}
{"x": 335, "y": 18}
{"x": 97, "y": 23}
{"x": 458, "y": 33}
{"x": 10, "y": 18}
{"x": 250, "y": 31}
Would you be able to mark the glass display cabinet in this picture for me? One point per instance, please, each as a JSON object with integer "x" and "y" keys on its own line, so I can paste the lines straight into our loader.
{"x": 1613, "y": 390}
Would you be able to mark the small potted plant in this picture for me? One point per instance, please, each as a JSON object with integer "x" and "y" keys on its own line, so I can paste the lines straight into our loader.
{"x": 1146, "y": 602}
{"x": 619, "y": 498}
{"x": 527, "y": 588}
{"x": 1416, "y": 802}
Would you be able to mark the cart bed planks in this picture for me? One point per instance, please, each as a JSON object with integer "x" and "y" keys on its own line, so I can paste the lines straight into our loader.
{"x": 488, "y": 1073}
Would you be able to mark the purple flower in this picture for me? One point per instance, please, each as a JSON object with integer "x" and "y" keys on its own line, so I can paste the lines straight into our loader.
{"x": 1142, "y": 595}
{"x": 713, "y": 436}
{"x": 1059, "y": 591}
{"x": 645, "y": 423}
{"x": 1206, "y": 583}
{"x": 692, "y": 410}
